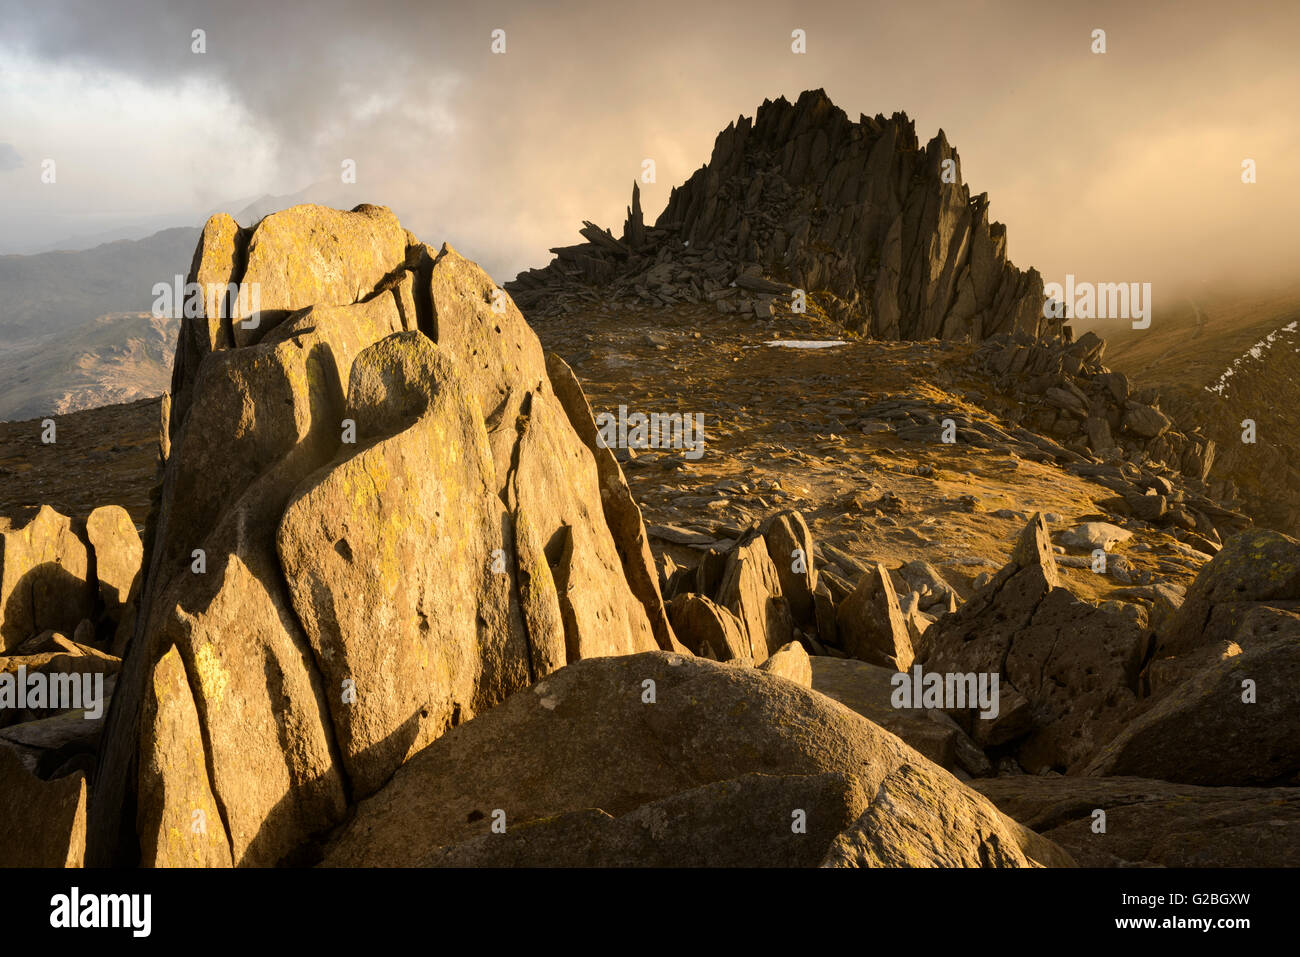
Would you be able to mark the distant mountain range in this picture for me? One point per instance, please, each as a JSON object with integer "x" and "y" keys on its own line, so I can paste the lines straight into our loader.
{"x": 75, "y": 325}
{"x": 118, "y": 357}
{"x": 52, "y": 293}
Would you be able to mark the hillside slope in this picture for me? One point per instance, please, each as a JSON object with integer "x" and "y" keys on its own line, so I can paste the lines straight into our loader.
{"x": 55, "y": 292}
{"x": 114, "y": 358}
{"x": 1218, "y": 362}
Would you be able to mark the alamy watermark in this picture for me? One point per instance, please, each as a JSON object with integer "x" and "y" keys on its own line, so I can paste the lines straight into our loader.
{"x": 658, "y": 430}
{"x": 1106, "y": 300}
{"x": 948, "y": 691}
{"x": 58, "y": 692}
{"x": 190, "y": 300}
{"x": 75, "y": 909}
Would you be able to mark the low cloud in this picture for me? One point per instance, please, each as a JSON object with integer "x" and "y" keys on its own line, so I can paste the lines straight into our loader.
{"x": 9, "y": 158}
{"x": 1121, "y": 167}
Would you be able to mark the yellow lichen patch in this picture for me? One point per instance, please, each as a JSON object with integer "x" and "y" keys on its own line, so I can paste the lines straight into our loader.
{"x": 212, "y": 676}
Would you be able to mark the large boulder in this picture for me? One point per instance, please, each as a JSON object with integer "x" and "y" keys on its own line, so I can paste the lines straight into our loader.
{"x": 555, "y": 482}
{"x": 1252, "y": 567}
{"x": 708, "y": 629}
{"x": 42, "y": 823}
{"x": 315, "y": 256}
{"x": 741, "y": 822}
{"x": 870, "y": 625}
{"x": 251, "y": 280}
{"x": 1234, "y": 722}
{"x": 721, "y": 765}
{"x": 917, "y": 819}
{"x": 869, "y": 690}
{"x": 1075, "y": 663}
{"x": 376, "y": 519}
{"x": 118, "y": 553}
{"x": 1145, "y": 421}
{"x": 790, "y": 546}
{"x": 1218, "y": 704}
{"x": 1152, "y": 823}
{"x": 45, "y": 569}
{"x": 790, "y": 662}
{"x": 751, "y": 590}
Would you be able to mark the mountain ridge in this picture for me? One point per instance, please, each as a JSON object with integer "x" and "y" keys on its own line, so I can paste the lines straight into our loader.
{"x": 876, "y": 231}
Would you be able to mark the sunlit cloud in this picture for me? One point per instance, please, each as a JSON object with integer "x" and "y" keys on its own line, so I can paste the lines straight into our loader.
{"x": 1122, "y": 166}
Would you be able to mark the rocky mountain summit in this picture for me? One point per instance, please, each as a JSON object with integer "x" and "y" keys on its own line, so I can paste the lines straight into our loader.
{"x": 396, "y": 603}
{"x": 924, "y": 583}
{"x": 881, "y": 234}
{"x": 885, "y": 240}
{"x": 338, "y": 579}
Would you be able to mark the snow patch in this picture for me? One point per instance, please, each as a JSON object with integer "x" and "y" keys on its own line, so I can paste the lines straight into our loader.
{"x": 806, "y": 343}
{"x": 1256, "y": 352}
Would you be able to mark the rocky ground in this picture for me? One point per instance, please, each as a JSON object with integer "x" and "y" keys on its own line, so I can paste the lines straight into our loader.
{"x": 377, "y": 583}
{"x": 816, "y": 430}
{"x": 104, "y": 456}
{"x": 850, "y": 436}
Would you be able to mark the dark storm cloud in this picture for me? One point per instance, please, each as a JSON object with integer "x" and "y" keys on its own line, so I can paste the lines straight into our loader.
{"x": 1122, "y": 166}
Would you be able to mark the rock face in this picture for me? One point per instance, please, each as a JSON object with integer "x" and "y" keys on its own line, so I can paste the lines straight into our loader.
{"x": 622, "y": 513}
{"x": 1155, "y": 823}
{"x": 173, "y": 754}
{"x": 42, "y": 823}
{"x": 376, "y": 519}
{"x": 1221, "y": 702}
{"x": 1075, "y": 664}
{"x": 716, "y": 766}
{"x": 881, "y": 233}
{"x": 394, "y": 521}
{"x": 44, "y": 577}
{"x": 1068, "y": 394}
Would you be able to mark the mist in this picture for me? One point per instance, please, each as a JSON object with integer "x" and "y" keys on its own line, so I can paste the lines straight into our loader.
{"x": 1117, "y": 167}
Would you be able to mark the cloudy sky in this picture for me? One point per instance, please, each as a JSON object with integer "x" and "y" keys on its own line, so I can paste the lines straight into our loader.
{"x": 1122, "y": 166}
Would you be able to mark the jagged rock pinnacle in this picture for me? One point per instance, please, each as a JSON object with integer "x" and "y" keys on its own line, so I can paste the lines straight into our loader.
{"x": 877, "y": 231}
